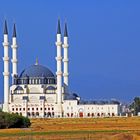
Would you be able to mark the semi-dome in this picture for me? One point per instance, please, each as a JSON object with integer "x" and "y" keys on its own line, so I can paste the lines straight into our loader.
{"x": 36, "y": 71}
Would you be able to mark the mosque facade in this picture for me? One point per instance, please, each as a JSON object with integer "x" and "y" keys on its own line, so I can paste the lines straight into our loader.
{"x": 37, "y": 92}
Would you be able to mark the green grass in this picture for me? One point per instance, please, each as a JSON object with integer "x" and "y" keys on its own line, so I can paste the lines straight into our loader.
{"x": 61, "y": 132}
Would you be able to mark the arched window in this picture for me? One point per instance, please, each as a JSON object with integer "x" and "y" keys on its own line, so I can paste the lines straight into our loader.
{"x": 39, "y": 81}
{"x": 37, "y": 113}
{"x": 88, "y": 114}
{"x": 28, "y": 114}
{"x": 98, "y": 114}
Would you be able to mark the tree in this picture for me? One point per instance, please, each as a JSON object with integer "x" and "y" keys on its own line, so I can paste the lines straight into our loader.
{"x": 8, "y": 120}
{"x": 135, "y": 106}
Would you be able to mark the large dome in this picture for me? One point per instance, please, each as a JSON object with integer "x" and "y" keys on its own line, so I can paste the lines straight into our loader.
{"x": 36, "y": 71}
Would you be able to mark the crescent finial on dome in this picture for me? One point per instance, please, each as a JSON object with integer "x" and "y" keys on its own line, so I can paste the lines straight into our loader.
{"x": 36, "y": 63}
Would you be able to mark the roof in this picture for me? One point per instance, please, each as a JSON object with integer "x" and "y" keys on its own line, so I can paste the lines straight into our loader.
{"x": 99, "y": 102}
{"x": 36, "y": 71}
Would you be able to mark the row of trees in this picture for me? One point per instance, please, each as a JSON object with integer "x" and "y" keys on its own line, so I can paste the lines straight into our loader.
{"x": 13, "y": 121}
{"x": 135, "y": 106}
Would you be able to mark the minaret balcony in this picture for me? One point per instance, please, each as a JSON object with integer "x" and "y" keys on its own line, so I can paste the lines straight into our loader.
{"x": 59, "y": 58}
{"x": 5, "y": 44}
{"x": 58, "y": 44}
{"x": 65, "y": 74}
{"x": 14, "y": 60}
{"x": 65, "y": 60}
{"x": 5, "y": 58}
{"x": 5, "y": 73}
{"x": 65, "y": 45}
{"x": 14, "y": 46}
{"x": 59, "y": 73}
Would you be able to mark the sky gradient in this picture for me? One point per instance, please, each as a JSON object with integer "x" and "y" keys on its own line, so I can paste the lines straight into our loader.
{"x": 104, "y": 39}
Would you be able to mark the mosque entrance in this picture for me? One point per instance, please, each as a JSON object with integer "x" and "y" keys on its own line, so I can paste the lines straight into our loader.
{"x": 81, "y": 114}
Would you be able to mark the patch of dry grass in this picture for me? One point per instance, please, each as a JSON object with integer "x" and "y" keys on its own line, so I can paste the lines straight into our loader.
{"x": 77, "y": 128}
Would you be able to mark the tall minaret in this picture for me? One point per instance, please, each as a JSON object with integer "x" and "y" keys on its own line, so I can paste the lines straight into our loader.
{"x": 59, "y": 65}
{"x": 14, "y": 53}
{"x": 6, "y": 69}
{"x": 65, "y": 59}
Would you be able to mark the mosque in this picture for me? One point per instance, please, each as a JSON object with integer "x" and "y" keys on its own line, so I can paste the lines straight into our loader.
{"x": 38, "y": 93}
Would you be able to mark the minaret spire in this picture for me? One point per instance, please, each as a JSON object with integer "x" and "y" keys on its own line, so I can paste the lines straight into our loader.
{"x": 5, "y": 28}
{"x": 14, "y": 31}
{"x": 6, "y": 69}
{"x": 65, "y": 31}
{"x": 58, "y": 27}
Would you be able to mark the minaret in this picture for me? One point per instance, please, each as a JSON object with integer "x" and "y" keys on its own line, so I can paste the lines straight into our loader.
{"x": 65, "y": 59}
{"x": 59, "y": 65}
{"x": 14, "y": 53}
{"x": 6, "y": 69}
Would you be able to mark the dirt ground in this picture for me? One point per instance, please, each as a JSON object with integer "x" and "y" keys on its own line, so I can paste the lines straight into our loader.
{"x": 77, "y": 129}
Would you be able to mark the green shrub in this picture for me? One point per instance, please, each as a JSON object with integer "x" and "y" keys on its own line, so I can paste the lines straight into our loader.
{"x": 13, "y": 121}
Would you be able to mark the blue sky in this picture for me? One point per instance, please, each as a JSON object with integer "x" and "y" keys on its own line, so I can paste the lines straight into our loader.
{"x": 104, "y": 38}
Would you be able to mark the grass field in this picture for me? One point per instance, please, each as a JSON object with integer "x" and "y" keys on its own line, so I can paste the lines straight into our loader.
{"x": 77, "y": 129}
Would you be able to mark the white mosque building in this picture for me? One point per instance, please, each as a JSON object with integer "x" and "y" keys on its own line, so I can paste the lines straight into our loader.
{"x": 38, "y": 93}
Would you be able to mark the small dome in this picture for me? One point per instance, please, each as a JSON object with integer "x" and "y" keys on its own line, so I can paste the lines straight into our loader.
{"x": 18, "y": 88}
{"x": 36, "y": 71}
{"x": 50, "y": 88}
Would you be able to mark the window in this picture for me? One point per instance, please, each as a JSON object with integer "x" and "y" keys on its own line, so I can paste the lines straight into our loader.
{"x": 20, "y": 109}
{"x": 37, "y": 113}
{"x": 16, "y": 109}
{"x": 48, "y": 108}
{"x": 36, "y": 108}
{"x": 71, "y": 114}
{"x": 98, "y": 114}
{"x": 12, "y": 109}
{"x": 52, "y": 108}
{"x": 88, "y": 114}
{"x": 41, "y": 108}
{"x": 32, "y": 108}
{"x": 28, "y": 114}
{"x": 68, "y": 114}
{"x": 28, "y": 108}
{"x": 23, "y": 109}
